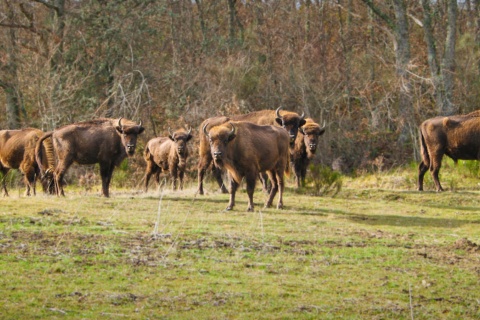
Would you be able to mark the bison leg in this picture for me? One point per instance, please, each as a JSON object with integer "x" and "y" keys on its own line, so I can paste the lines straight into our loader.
{"x": 281, "y": 187}
{"x": 152, "y": 168}
{"x": 59, "y": 173}
{"x": 233, "y": 190}
{"x": 303, "y": 173}
{"x": 106, "y": 171}
{"x": 250, "y": 180}
{"x": 298, "y": 174}
{"x": 422, "y": 169}
{"x": 203, "y": 164}
{"x": 435, "y": 165}
{"x": 174, "y": 175}
{"x": 180, "y": 176}
{"x": 4, "y": 176}
{"x": 29, "y": 178}
{"x": 273, "y": 190}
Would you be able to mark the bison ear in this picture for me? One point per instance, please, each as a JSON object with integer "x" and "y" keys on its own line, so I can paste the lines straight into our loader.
{"x": 189, "y": 137}
{"x": 322, "y": 131}
{"x": 119, "y": 129}
{"x": 171, "y": 137}
{"x": 231, "y": 137}
{"x": 140, "y": 129}
{"x": 302, "y": 122}
{"x": 279, "y": 121}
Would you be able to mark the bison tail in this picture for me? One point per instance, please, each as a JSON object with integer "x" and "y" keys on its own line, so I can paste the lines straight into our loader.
{"x": 39, "y": 156}
{"x": 146, "y": 153}
{"x": 424, "y": 150}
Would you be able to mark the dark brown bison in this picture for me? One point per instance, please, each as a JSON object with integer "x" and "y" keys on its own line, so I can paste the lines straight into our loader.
{"x": 288, "y": 120}
{"x": 17, "y": 151}
{"x": 103, "y": 141}
{"x": 455, "y": 136}
{"x": 305, "y": 148}
{"x": 167, "y": 154}
{"x": 245, "y": 150}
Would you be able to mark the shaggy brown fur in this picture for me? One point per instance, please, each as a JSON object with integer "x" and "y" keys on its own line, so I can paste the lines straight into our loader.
{"x": 245, "y": 149}
{"x": 103, "y": 141}
{"x": 167, "y": 154}
{"x": 288, "y": 120}
{"x": 305, "y": 148}
{"x": 17, "y": 151}
{"x": 455, "y": 136}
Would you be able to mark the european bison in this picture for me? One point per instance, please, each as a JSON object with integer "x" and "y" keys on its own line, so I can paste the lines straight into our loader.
{"x": 305, "y": 148}
{"x": 167, "y": 154}
{"x": 103, "y": 141}
{"x": 245, "y": 150}
{"x": 17, "y": 151}
{"x": 288, "y": 120}
{"x": 455, "y": 136}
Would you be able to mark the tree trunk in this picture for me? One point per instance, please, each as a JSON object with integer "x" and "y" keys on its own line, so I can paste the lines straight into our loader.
{"x": 448, "y": 63}
{"x": 402, "y": 57}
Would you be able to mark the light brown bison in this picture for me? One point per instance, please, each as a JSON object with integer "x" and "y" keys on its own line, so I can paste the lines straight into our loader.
{"x": 245, "y": 150}
{"x": 288, "y": 120}
{"x": 455, "y": 136}
{"x": 17, "y": 151}
{"x": 167, "y": 154}
{"x": 305, "y": 148}
{"x": 104, "y": 141}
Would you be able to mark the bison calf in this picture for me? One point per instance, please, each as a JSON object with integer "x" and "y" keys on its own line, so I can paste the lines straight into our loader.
{"x": 167, "y": 154}
{"x": 103, "y": 141}
{"x": 455, "y": 136}
{"x": 17, "y": 151}
{"x": 305, "y": 148}
{"x": 245, "y": 149}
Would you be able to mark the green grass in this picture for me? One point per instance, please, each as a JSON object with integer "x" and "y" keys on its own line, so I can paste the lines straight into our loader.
{"x": 377, "y": 250}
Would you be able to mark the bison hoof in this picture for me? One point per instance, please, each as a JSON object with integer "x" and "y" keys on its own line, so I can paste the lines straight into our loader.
{"x": 229, "y": 208}
{"x": 249, "y": 209}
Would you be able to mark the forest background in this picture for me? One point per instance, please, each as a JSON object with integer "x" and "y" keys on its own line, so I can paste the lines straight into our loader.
{"x": 371, "y": 70}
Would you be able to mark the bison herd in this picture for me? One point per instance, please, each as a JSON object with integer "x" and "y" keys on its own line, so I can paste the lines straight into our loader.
{"x": 258, "y": 145}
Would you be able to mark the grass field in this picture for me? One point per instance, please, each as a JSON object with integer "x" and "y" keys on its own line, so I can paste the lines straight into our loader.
{"x": 377, "y": 250}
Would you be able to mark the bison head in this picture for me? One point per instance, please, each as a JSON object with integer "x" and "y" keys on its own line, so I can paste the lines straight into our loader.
{"x": 219, "y": 137}
{"x": 129, "y": 133}
{"x": 311, "y": 131}
{"x": 290, "y": 121}
{"x": 180, "y": 138}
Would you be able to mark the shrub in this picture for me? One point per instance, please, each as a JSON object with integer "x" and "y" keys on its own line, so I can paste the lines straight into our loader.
{"x": 323, "y": 181}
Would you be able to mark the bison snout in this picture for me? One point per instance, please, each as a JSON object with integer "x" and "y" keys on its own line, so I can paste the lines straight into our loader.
{"x": 217, "y": 155}
{"x": 131, "y": 149}
{"x": 312, "y": 147}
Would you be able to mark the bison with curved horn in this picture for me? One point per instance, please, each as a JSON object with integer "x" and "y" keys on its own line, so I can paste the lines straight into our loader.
{"x": 17, "y": 151}
{"x": 288, "y": 120}
{"x": 167, "y": 154}
{"x": 104, "y": 141}
{"x": 245, "y": 150}
{"x": 305, "y": 149}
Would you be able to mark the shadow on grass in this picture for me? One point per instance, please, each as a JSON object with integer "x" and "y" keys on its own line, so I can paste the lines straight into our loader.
{"x": 404, "y": 221}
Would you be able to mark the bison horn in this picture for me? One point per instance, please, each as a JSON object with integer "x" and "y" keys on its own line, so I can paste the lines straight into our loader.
{"x": 140, "y": 124}
{"x": 324, "y": 125}
{"x": 171, "y": 134}
{"x": 120, "y": 122}
{"x": 302, "y": 116}
{"x": 189, "y": 130}
{"x": 233, "y": 130}
{"x": 277, "y": 112}
{"x": 205, "y": 129}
